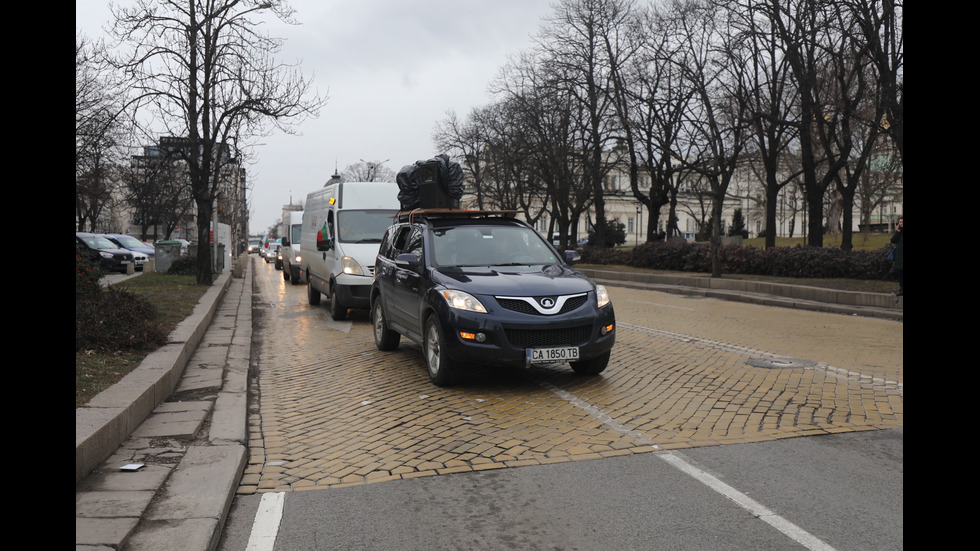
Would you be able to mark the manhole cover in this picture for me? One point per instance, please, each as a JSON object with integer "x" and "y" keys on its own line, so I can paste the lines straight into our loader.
{"x": 780, "y": 363}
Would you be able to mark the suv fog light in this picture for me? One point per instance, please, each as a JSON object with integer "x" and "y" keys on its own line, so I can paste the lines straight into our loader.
{"x": 606, "y": 329}
{"x": 478, "y": 337}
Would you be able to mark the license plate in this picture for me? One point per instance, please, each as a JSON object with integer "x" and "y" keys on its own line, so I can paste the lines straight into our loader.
{"x": 558, "y": 354}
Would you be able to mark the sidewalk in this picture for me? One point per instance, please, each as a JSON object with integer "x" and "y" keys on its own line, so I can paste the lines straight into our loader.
{"x": 182, "y": 416}
{"x": 183, "y": 413}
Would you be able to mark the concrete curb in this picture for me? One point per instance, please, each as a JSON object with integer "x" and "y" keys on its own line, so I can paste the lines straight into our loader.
{"x": 103, "y": 424}
{"x": 878, "y": 305}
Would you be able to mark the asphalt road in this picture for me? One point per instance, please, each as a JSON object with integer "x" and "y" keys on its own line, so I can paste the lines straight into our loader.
{"x": 717, "y": 425}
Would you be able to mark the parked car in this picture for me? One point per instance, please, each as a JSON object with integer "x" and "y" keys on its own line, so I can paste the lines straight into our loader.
{"x": 112, "y": 258}
{"x": 486, "y": 288}
{"x": 131, "y": 243}
{"x": 184, "y": 245}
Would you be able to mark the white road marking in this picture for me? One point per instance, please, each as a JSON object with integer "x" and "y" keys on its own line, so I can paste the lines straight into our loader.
{"x": 794, "y": 532}
{"x": 265, "y": 528}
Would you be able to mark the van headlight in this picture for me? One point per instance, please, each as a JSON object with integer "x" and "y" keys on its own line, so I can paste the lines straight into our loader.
{"x": 299, "y": 258}
{"x": 351, "y": 267}
{"x": 602, "y": 296}
{"x": 463, "y": 301}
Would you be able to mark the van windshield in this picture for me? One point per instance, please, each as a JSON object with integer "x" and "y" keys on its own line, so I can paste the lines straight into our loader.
{"x": 363, "y": 226}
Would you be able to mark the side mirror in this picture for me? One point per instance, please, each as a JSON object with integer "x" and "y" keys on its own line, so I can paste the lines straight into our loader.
{"x": 572, "y": 256}
{"x": 285, "y": 242}
{"x": 408, "y": 261}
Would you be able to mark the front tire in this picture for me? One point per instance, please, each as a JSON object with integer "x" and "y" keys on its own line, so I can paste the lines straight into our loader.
{"x": 337, "y": 311}
{"x": 384, "y": 338}
{"x": 442, "y": 370}
{"x": 593, "y": 366}
{"x": 312, "y": 295}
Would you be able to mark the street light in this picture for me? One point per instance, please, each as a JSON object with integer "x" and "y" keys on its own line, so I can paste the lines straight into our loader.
{"x": 639, "y": 212}
{"x": 372, "y": 167}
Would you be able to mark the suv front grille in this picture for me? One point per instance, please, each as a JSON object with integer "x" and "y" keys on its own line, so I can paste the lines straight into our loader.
{"x": 529, "y": 338}
{"x": 525, "y": 307}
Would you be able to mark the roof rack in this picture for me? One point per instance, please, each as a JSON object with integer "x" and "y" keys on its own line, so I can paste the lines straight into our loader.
{"x": 410, "y": 216}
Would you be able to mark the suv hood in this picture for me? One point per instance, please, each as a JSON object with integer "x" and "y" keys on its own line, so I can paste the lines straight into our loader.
{"x": 552, "y": 279}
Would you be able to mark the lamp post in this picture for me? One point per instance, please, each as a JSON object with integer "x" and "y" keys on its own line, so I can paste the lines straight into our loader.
{"x": 639, "y": 225}
{"x": 372, "y": 168}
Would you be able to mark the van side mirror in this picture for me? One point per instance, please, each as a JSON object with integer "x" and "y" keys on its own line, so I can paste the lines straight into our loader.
{"x": 285, "y": 242}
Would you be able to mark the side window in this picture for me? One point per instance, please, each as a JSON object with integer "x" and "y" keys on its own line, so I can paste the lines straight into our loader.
{"x": 385, "y": 249}
{"x": 401, "y": 240}
{"x": 415, "y": 243}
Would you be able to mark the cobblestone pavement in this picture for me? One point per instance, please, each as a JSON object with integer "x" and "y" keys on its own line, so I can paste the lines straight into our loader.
{"x": 332, "y": 410}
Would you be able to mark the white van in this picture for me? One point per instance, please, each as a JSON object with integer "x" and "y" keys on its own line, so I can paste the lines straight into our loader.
{"x": 342, "y": 229}
{"x": 291, "y": 245}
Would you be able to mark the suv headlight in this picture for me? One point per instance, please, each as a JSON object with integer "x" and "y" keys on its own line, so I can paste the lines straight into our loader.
{"x": 602, "y": 296}
{"x": 463, "y": 301}
{"x": 351, "y": 266}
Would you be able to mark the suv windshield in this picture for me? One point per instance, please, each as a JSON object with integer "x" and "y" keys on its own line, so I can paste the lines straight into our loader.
{"x": 363, "y": 226}
{"x": 475, "y": 245}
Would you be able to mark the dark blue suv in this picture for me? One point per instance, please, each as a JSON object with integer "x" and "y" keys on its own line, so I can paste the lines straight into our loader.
{"x": 476, "y": 287}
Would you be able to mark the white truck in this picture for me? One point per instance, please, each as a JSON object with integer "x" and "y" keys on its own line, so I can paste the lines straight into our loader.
{"x": 291, "y": 246}
{"x": 342, "y": 229}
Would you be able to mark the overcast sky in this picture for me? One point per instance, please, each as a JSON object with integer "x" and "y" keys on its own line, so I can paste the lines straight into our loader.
{"x": 391, "y": 70}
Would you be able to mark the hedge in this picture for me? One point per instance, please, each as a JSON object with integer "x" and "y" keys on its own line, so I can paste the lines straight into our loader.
{"x": 798, "y": 261}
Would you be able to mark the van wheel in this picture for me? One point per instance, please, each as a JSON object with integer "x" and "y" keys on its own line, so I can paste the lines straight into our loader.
{"x": 285, "y": 274}
{"x": 294, "y": 276}
{"x": 384, "y": 338}
{"x": 442, "y": 370}
{"x": 594, "y": 366}
{"x": 337, "y": 310}
{"x": 312, "y": 294}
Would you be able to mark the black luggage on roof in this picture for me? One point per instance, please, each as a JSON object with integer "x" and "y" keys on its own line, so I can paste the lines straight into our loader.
{"x": 436, "y": 183}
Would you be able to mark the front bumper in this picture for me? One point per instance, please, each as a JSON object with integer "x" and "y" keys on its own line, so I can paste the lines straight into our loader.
{"x": 507, "y": 335}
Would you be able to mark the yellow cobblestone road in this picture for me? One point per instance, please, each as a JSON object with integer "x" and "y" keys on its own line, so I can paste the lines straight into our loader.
{"x": 332, "y": 410}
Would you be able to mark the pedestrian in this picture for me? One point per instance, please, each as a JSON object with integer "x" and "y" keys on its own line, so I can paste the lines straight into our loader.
{"x": 899, "y": 257}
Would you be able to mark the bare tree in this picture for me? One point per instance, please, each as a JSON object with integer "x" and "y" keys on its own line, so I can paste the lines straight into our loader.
{"x": 880, "y": 24}
{"x": 661, "y": 96}
{"x": 466, "y": 142}
{"x": 536, "y": 142}
{"x": 572, "y": 40}
{"x": 100, "y": 133}
{"x": 878, "y": 184}
{"x": 771, "y": 102}
{"x": 715, "y": 125}
{"x": 157, "y": 189}
{"x": 368, "y": 171}
{"x": 203, "y": 71}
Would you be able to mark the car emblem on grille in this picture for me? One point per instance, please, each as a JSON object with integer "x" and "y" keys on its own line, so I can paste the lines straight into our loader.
{"x": 547, "y": 302}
